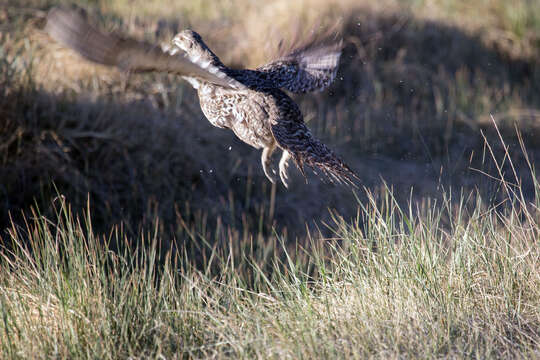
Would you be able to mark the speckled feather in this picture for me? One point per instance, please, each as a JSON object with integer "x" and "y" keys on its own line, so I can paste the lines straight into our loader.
{"x": 249, "y": 102}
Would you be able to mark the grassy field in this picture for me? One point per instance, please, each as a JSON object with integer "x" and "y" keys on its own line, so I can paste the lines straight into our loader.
{"x": 450, "y": 282}
{"x": 131, "y": 228}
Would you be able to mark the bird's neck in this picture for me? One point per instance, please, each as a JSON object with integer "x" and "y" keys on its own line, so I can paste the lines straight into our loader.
{"x": 206, "y": 58}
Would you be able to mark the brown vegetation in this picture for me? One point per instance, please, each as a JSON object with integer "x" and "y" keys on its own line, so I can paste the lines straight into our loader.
{"x": 410, "y": 111}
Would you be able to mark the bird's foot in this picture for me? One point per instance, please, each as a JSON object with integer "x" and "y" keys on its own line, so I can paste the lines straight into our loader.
{"x": 265, "y": 161}
{"x": 267, "y": 173}
{"x": 283, "y": 175}
{"x": 283, "y": 165}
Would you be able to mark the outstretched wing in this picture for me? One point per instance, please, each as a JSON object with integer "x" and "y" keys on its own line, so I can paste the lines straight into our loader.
{"x": 71, "y": 29}
{"x": 308, "y": 67}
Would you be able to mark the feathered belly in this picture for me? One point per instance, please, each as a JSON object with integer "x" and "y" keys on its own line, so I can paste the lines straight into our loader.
{"x": 245, "y": 115}
{"x": 217, "y": 109}
{"x": 253, "y": 134}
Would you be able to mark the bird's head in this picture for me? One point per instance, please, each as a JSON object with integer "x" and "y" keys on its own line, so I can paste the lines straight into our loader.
{"x": 195, "y": 48}
{"x": 190, "y": 42}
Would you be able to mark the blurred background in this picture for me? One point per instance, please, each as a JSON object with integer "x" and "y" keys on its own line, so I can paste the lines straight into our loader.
{"x": 421, "y": 89}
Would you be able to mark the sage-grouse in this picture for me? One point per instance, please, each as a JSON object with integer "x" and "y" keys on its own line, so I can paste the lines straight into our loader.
{"x": 249, "y": 102}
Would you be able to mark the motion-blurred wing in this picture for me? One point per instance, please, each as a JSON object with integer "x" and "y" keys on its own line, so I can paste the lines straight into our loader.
{"x": 71, "y": 29}
{"x": 309, "y": 67}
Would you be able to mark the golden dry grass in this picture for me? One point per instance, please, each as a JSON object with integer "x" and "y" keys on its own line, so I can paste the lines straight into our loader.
{"x": 244, "y": 269}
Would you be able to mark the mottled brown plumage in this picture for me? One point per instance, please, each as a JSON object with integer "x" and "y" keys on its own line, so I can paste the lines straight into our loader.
{"x": 249, "y": 102}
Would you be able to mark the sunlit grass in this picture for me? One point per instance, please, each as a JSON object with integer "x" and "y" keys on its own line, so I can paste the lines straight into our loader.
{"x": 450, "y": 278}
{"x": 435, "y": 279}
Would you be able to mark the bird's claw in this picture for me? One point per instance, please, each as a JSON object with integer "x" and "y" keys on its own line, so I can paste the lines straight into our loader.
{"x": 265, "y": 161}
{"x": 284, "y": 177}
{"x": 283, "y": 165}
{"x": 270, "y": 177}
{"x": 283, "y": 173}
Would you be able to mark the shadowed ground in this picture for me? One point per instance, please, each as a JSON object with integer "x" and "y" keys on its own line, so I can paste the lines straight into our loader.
{"x": 409, "y": 105}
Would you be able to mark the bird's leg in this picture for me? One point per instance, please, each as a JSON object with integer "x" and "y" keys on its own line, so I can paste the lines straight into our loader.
{"x": 283, "y": 165}
{"x": 265, "y": 160}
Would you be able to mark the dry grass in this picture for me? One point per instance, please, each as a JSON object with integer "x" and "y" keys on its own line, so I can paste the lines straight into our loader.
{"x": 210, "y": 260}
{"x": 451, "y": 281}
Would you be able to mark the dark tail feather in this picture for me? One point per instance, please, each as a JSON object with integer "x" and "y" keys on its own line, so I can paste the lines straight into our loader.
{"x": 319, "y": 157}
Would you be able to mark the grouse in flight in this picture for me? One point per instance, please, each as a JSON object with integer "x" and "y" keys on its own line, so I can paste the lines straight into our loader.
{"x": 249, "y": 102}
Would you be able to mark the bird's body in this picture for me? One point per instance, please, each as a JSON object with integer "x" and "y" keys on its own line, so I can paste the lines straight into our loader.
{"x": 236, "y": 111}
{"x": 248, "y": 102}
{"x": 250, "y": 114}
